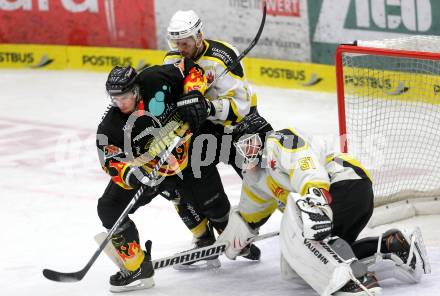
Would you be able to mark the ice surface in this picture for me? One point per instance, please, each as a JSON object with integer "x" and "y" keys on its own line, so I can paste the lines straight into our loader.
{"x": 51, "y": 180}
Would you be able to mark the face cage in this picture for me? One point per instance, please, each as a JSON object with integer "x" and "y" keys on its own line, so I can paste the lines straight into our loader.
{"x": 250, "y": 147}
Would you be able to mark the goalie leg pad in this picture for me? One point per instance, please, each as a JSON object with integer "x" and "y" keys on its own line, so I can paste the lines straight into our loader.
{"x": 314, "y": 261}
{"x": 400, "y": 255}
{"x": 288, "y": 274}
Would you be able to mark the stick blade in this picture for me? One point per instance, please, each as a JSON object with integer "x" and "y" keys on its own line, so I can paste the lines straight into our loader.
{"x": 64, "y": 277}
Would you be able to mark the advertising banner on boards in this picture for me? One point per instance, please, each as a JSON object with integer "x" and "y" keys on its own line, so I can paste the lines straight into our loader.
{"x": 344, "y": 21}
{"x": 285, "y": 35}
{"x": 110, "y": 23}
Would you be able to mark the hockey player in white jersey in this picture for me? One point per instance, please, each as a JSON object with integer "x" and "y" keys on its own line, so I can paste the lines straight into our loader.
{"x": 231, "y": 99}
{"x": 231, "y": 96}
{"x": 326, "y": 201}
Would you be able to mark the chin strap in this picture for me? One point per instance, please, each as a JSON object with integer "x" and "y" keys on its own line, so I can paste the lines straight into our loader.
{"x": 200, "y": 48}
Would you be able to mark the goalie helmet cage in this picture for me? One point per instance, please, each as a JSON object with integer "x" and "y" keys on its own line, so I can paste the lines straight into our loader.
{"x": 389, "y": 118}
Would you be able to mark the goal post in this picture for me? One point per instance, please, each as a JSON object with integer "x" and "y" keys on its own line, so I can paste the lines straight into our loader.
{"x": 389, "y": 118}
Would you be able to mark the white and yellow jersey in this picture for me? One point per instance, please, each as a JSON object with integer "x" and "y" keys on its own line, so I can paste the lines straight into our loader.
{"x": 291, "y": 165}
{"x": 232, "y": 96}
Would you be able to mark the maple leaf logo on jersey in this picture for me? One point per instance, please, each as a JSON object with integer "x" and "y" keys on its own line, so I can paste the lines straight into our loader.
{"x": 210, "y": 77}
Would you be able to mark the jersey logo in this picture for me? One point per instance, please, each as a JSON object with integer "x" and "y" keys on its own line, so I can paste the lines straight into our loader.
{"x": 157, "y": 104}
{"x": 273, "y": 164}
{"x": 277, "y": 190}
{"x": 210, "y": 77}
{"x": 111, "y": 150}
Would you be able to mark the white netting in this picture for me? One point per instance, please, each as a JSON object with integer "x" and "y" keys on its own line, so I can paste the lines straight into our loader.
{"x": 413, "y": 43}
{"x": 392, "y": 107}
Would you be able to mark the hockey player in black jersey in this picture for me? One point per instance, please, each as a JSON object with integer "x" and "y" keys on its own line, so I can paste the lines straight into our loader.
{"x": 231, "y": 97}
{"x": 142, "y": 120}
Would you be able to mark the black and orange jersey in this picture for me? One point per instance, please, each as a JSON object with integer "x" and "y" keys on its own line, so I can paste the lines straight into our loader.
{"x": 137, "y": 139}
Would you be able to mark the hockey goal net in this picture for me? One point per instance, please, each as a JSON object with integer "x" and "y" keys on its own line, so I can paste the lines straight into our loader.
{"x": 389, "y": 118}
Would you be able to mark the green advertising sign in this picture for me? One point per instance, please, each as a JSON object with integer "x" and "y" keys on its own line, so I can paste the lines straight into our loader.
{"x": 343, "y": 21}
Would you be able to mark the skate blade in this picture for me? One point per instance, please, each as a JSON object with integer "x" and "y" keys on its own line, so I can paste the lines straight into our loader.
{"x": 199, "y": 265}
{"x": 136, "y": 285}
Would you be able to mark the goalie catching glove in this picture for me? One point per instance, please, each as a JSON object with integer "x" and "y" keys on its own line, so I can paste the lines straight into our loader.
{"x": 316, "y": 214}
{"x": 238, "y": 234}
{"x": 195, "y": 109}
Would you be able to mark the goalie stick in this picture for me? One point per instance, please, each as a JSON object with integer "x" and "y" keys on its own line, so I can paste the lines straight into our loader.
{"x": 79, "y": 275}
{"x": 202, "y": 253}
{"x": 184, "y": 257}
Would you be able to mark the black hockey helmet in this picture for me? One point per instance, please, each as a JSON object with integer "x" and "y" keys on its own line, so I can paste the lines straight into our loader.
{"x": 253, "y": 123}
{"x": 120, "y": 80}
{"x": 248, "y": 137}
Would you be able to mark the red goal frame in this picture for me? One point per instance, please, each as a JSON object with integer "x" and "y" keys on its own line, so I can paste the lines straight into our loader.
{"x": 340, "y": 50}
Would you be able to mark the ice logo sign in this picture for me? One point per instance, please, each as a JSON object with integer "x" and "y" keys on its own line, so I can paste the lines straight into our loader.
{"x": 348, "y": 20}
{"x": 157, "y": 103}
{"x": 413, "y": 15}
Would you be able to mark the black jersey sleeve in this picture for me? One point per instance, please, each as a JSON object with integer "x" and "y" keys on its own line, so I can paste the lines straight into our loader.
{"x": 109, "y": 143}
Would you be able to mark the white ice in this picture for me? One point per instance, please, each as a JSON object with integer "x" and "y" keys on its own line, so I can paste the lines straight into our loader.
{"x": 50, "y": 180}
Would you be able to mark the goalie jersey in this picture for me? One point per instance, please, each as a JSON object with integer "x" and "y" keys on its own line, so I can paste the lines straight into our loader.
{"x": 232, "y": 96}
{"x": 291, "y": 164}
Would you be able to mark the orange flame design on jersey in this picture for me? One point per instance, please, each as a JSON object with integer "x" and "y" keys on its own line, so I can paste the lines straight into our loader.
{"x": 195, "y": 80}
{"x": 119, "y": 168}
{"x": 278, "y": 191}
{"x": 175, "y": 163}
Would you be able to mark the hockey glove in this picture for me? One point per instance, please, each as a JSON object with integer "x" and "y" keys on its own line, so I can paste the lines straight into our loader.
{"x": 316, "y": 214}
{"x": 238, "y": 234}
{"x": 135, "y": 177}
{"x": 194, "y": 109}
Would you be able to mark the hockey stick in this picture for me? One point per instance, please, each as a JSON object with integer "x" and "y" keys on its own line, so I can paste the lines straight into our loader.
{"x": 202, "y": 253}
{"x": 78, "y": 275}
{"x": 187, "y": 256}
{"x": 246, "y": 51}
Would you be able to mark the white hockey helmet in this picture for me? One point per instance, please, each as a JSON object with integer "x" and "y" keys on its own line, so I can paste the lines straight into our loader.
{"x": 183, "y": 24}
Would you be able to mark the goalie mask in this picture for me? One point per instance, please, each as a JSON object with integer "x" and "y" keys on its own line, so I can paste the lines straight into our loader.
{"x": 184, "y": 24}
{"x": 248, "y": 137}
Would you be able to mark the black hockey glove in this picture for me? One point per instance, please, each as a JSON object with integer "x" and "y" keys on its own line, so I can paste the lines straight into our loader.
{"x": 194, "y": 109}
{"x": 136, "y": 176}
